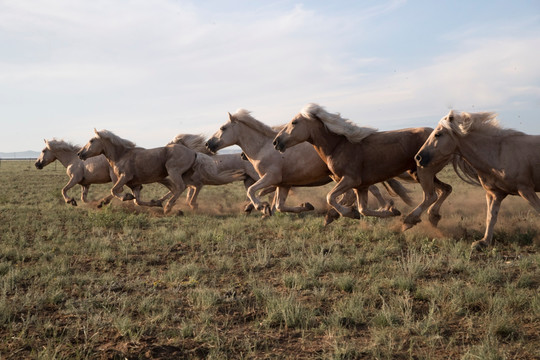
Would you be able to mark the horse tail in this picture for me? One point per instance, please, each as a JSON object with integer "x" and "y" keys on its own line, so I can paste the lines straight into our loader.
{"x": 465, "y": 171}
{"x": 207, "y": 169}
{"x": 395, "y": 188}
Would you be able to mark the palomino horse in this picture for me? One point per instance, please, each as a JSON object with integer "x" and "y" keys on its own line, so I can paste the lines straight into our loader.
{"x": 135, "y": 166}
{"x": 300, "y": 167}
{"x": 223, "y": 162}
{"x": 84, "y": 173}
{"x": 505, "y": 161}
{"x": 358, "y": 156}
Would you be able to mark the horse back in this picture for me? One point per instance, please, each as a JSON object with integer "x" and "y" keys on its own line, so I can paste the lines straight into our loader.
{"x": 380, "y": 156}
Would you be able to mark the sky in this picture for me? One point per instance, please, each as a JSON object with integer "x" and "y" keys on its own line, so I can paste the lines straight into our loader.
{"x": 149, "y": 70}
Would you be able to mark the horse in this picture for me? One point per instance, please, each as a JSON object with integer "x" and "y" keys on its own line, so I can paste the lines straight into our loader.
{"x": 223, "y": 162}
{"x": 503, "y": 161}
{"x": 84, "y": 173}
{"x": 135, "y": 166}
{"x": 359, "y": 157}
{"x": 300, "y": 167}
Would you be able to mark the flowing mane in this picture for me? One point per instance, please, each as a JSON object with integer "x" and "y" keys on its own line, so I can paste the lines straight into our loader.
{"x": 464, "y": 123}
{"x": 195, "y": 142}
{"x": 61, "y": 145}
{"x": 244, "y": 116}
{"x": 115, "y": 139}
{"x": 336, "y": 124}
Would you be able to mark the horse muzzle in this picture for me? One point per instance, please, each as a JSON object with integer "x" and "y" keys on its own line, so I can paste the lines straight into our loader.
{"x": 212, "y": 145}
{"x": 82, "y": 155}
{"x": 278, "y": 145}
{"x": 38, "y": 165}
{"x": 422, "y": 158}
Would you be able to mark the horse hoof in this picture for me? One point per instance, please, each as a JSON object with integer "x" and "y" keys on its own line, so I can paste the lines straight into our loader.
{"x": 128, "y": 197}
{"x": 179, "y": 213}
{"x": 307, "y": 206}
{"x": 355, "y": 214}
{"x": 479, "y": 245}
{"x": 434, "y": 219}
{"x": 72, "y": 202}
{"x": 407, "y": 225}
{"x": 395, "y": 212}
{"x": 248, "y": 208}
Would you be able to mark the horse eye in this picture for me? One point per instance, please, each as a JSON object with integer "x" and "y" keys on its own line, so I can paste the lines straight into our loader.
{"x": 294, "y": 122}
{"x": 438, "y": 135}
{"x": 222, "y": 128}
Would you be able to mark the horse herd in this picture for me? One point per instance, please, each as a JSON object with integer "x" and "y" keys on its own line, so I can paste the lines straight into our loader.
{"x": 315, "y": 148}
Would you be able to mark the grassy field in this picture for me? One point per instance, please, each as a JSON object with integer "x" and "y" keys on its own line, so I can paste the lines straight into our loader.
{"x": 128, "y": 283}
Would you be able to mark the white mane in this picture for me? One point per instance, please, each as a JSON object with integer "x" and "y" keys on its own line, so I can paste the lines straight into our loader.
{"x": 244, "y": 116}
{"x": 464, "y": 123}
{"x": 115, "y": 139}
{"x": 194, "y": 142}
{"x": 336, "y": 124}
{"x": 61, "y": 145}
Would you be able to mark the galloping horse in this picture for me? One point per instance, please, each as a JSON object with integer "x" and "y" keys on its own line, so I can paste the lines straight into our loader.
{"x": 135, "y": 166}
{"x": 359, "y": 157}
{"x": 223, "y": 162}
{"x": 84, "y": 173}
{"x": 504, "y": 161}
{"x": 299, "y": 167}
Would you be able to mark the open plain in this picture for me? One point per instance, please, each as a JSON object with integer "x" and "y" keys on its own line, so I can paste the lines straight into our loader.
{"x": 124, "y": 282}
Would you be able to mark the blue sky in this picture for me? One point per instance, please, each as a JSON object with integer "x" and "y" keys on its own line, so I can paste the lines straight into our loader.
{"x": 148, "y": 70}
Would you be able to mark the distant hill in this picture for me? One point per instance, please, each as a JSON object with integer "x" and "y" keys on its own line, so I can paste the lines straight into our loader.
{"x": 20, "y": 155}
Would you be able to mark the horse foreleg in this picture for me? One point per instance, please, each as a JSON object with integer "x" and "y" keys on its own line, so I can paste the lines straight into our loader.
{"x": 362, "y": 196}
{"x": 493, "y": 200}
{"x": 281, "y": 195}
{"x": 118, "y": 188}
{"x": 427, "y": 181}
{"x": 71, "y": 183}
{"x": 530, "y": 196}
{"x": 331, "y": 198}
{"x": 443, "y": 191}
{"x": 265, "y": 181}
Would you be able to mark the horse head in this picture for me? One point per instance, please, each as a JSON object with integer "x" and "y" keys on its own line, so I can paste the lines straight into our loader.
{"x": 225, "y": 136}
{"x": 441, "y": 144}
{"x": 94, "y": 147}
{"x": 295, "y": 132}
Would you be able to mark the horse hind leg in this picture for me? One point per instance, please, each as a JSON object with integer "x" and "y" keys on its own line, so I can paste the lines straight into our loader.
{"x": 362, "y": 196}
{"x": 84, "y": 193}
{"x": 281, "y": 194}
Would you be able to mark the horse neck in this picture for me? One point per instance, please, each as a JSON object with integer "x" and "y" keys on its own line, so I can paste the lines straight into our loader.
{"x": 474, "y": 148}
{"x": 66, "y": 157}
{"x": 324, "y": 141}
{"x": 113, "y": 152}
{"x": 252, "y": 141}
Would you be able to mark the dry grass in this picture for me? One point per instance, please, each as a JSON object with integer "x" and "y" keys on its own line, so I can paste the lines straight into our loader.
{"x": 124, "y": 282}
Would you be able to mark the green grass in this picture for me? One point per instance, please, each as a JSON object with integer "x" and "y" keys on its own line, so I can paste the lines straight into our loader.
{"x": 125, "y": 282}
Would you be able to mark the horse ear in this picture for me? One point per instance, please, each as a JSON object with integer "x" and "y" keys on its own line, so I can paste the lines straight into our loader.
{"x": 45, "y": 141}
{"x": 231, "y": 118}
{"x": 96, "y": 132}
{"x": 450, "y": 116}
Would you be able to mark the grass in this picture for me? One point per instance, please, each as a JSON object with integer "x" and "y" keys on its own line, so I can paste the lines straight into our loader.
{"x": 125, "y": 282}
